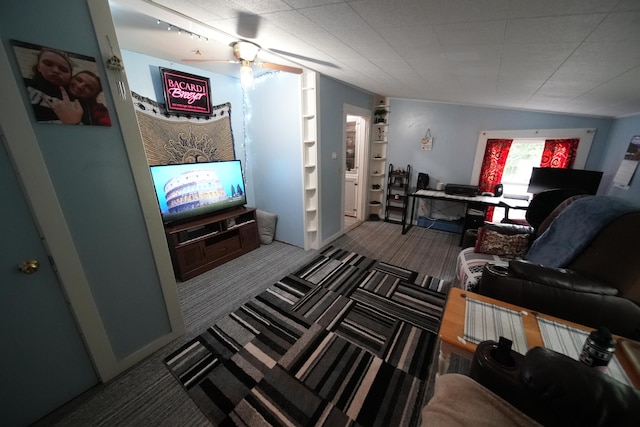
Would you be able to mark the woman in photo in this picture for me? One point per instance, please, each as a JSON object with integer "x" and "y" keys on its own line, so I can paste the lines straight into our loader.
{"x": 51, "y": 72}
{"x": 85, "y": 87}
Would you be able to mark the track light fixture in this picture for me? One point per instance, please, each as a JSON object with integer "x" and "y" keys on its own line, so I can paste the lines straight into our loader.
{"x": 171, "y": 27}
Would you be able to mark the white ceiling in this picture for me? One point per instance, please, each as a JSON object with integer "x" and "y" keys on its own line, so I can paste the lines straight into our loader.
{"x": 567, "y": 56}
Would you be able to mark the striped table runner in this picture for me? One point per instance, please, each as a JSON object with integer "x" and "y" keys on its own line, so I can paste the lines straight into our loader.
{"x": 569, "y": 341}
{"x": 484, "y": 321}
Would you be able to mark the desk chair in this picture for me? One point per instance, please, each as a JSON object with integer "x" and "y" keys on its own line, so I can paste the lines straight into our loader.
{"x": 542, "y": 205}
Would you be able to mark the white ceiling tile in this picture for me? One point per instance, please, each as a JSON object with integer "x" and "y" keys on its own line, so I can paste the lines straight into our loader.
{"x": 293, "y": 22}
{"x": 552, "y": 29}
{"x": 554, "y": 55}
{"x": 618, "y": 27}
{"x": 461, "y": 11}
{"x": 392, "y": 13}
{"x": 471, "y": 33}
{"x": 538, "y": 8}
{"x": 410, "y": 37}
{"x": 300, "y": 4}
{"x": 335, "y": 17}
{"x": 197, "y": 8}
{"x": 624, "y": 5}
{"x": 254, "y": 6}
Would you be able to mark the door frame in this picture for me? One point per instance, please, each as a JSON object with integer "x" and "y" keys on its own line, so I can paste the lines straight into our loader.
{"x": 362, "y": 153}
{"x": 40, "y": 194}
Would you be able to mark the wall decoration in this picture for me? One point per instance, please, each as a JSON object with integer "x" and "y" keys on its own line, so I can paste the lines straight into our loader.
{"x": 627, "y": 169}
{"x": 63, "y": 87}
{"x": 170, "y": 139}
{"x": 186, "y": 93}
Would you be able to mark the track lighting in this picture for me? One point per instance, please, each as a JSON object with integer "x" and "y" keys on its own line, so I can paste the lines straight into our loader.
{"x": 180, "y": 30}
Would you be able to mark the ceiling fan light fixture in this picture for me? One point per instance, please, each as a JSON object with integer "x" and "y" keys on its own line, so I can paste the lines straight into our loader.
{"x": 245, "y": 51}
{"x": 246, "y": 75}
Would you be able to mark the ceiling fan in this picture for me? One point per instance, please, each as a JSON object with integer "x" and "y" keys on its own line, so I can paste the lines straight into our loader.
{"x": 246, "y": 53}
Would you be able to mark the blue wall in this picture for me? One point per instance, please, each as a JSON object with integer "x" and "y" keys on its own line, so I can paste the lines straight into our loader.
{"x": 333, "y": 95}
{"x": 93, "y": 181}
{"x": 456, "y": 128}
{"x": 274, "y": 147}
{"x": 621, "y": 133}
{"x": 266, "y": 134}
{"x": 144, "y": 79}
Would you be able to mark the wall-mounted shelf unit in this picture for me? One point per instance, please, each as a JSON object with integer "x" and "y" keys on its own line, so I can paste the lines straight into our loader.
{"x": 310, "y": 160}
{"x": 378, "y": 160}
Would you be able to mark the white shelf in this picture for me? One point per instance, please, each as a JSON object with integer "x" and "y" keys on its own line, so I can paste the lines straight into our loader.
{"x": 310, "y": 158}
{"x": 378, "y": 154}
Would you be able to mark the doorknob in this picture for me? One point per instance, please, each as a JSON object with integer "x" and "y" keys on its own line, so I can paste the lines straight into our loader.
{"x": 29, "y": 266}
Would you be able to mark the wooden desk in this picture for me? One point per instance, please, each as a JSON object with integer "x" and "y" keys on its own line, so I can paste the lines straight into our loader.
{"x": 452, "y": 331}
{"x": 441, "y": 195}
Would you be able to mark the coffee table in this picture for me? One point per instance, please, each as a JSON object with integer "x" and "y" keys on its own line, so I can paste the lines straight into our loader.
{"x": 452, "y": 331}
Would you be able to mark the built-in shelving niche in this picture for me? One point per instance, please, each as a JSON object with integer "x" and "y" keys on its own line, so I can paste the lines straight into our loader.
{"x": 310, "y": 160}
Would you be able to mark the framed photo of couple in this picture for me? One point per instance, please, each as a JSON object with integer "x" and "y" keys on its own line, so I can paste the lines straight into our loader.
{"x": 62, "y": 87}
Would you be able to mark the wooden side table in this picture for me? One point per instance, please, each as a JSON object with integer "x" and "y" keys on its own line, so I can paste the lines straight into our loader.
{"x": 452, "y": 331}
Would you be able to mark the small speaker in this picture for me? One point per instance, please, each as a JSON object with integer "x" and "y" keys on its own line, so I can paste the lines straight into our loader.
{"x": 499, "y": 190}
{"x": 423, "y": 181}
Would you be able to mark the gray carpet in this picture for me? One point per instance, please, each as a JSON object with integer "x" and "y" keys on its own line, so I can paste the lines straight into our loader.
{"x": 149, "y": 395}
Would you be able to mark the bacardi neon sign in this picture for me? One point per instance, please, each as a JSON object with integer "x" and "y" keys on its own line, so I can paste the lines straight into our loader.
{"x": 186, "y": 93}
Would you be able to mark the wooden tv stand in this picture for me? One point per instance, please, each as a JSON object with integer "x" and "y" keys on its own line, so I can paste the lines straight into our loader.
{"x": 200, "y": 245}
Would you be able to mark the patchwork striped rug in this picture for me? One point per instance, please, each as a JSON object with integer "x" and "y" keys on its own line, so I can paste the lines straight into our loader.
{"x": 344, "y": 341}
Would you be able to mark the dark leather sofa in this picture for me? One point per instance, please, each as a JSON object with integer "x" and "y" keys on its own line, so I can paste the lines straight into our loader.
{"x": 554, "y": 389}
{"x": 600, "y": 286}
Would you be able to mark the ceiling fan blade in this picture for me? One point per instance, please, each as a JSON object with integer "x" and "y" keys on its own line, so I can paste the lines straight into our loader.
{"x": 303, "y": 58}
{"x": 279, "y": 67}
{"x": 248, "y": 25}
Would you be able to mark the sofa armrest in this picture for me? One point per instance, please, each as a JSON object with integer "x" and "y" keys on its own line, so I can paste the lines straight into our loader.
{"x": 508, "y": 229}
{"x": 560, "y": 278}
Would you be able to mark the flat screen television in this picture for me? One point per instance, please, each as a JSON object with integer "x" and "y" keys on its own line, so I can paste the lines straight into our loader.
{"x": 550, "y": 178}
{"x": 190, "y": 190}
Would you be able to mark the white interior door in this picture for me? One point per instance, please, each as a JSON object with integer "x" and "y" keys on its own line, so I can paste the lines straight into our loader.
{"x": 43, "y": 361}
{"x": 350, "y": 195}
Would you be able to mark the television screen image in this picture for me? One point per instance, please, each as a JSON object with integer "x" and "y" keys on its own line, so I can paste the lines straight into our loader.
{"x": 189, "y": 190}
{"x": 550, "y": 178}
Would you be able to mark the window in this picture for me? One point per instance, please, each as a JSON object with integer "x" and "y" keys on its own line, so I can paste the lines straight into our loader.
{"x": 514, "y": 174}
{"x": 524, "y": 154}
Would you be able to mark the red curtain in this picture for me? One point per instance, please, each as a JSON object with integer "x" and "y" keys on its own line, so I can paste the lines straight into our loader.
{"x": 559, "y": 153}
{"x": 495, "y": 157}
